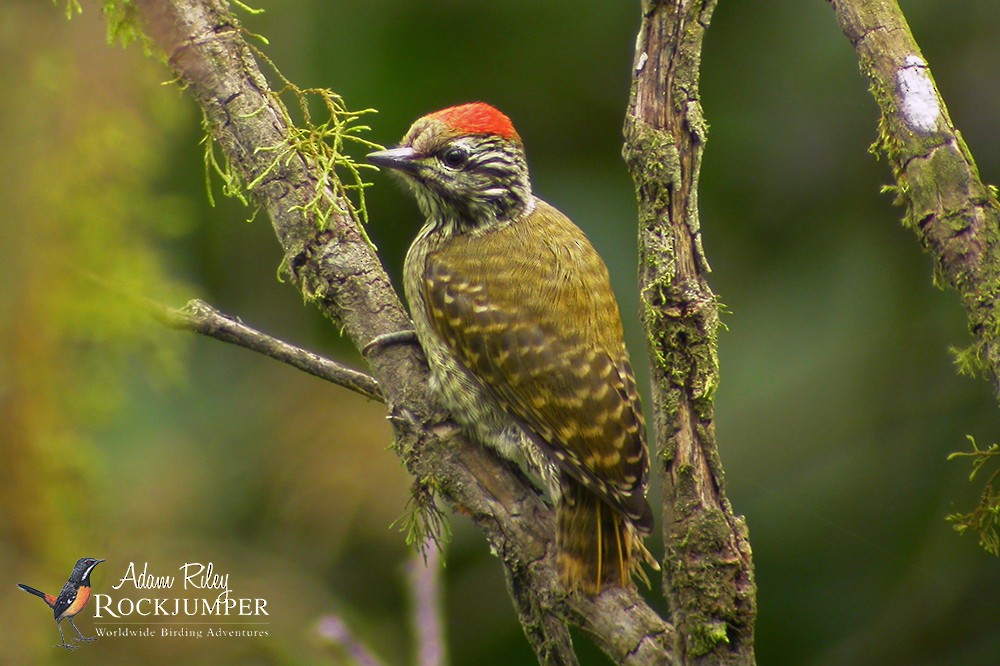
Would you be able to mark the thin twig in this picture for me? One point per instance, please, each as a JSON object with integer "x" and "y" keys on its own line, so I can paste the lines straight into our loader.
{"x": 200, "y": 317}
{"x": 424, "y": 577}
{"x": 333, "y": 629}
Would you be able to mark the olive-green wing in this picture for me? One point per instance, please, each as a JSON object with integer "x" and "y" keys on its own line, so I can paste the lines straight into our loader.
{"x": 530, "y": 313}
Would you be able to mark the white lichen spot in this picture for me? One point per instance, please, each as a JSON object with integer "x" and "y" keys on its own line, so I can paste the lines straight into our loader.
{"x": 642, "y": 62}
{"x": 918, "y": 101}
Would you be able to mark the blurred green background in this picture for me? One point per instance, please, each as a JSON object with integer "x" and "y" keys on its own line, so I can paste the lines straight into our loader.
{"x": 839, "y": 400}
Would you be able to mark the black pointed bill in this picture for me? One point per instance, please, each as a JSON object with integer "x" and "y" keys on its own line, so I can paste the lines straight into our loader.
{"x": 400, "y": 159}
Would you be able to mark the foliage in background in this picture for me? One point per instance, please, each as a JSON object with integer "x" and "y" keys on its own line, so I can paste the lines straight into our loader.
{"x": 86, "y": 226}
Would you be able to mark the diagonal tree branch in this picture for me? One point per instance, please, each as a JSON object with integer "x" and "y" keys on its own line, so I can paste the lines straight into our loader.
{"x": 200, "y": 317}
{"x": 707, "y": 547}
{"x": 336, "y": 268}
{"x": 954, "y": 215}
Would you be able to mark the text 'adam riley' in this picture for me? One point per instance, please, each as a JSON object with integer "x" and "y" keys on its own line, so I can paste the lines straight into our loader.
{"x": 195, "y": 576}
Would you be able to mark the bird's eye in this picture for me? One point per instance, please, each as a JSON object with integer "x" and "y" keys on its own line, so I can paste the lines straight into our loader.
{"x": 454, "y": 157}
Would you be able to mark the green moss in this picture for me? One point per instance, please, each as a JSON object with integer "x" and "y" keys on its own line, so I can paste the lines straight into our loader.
{"x": 704, "y": 580}
{"x": 72, "y": 8}
{"x": 322, "y": 142}
{"x": 123, "y": 26}
{"x": 704, "y": 638}
{"x": 985, "y": 517}
{"x": 247, "y": 8}
{"x": 681, "y": 320}
{"x": 424, "y": 524}
{"x": 968, "y": 360}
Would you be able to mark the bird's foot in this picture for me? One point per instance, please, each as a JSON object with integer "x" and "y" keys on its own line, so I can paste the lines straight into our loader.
{"x": 387, "y": 339}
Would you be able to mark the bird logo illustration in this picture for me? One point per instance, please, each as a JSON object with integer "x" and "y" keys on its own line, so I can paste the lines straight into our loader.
{"x": 71, "y": 600}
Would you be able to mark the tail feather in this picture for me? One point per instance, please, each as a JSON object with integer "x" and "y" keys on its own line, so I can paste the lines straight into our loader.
{"x": 31, "y": 590}
{"x": 598, "y": 545}
{"x": 47, "y": 598}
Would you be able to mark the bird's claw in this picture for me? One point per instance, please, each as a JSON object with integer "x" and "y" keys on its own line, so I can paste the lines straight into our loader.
{"x": 386, "y": 339}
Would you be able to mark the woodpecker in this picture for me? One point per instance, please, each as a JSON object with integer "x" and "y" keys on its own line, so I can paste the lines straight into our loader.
{"x": 71, "y": 600}
{"x": 514, "y": 310}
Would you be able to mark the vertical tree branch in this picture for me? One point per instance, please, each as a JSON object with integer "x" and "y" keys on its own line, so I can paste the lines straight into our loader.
{"x": 956, "y": 217}
{"x": 708, "y": 573}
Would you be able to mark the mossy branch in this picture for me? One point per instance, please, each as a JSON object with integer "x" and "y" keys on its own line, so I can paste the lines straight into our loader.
{"x": 708, "y": 569}
{"x": 955, "y": 216}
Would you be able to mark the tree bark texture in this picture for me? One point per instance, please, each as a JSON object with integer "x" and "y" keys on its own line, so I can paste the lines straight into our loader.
{"x": 955, "y": 216}
{"x": 708, "y": 570}
{"x": 338, "y": 270}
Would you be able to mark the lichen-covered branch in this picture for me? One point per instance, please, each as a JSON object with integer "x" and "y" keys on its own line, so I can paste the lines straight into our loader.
{"x": 334, "y": 266}
{"x": 708, "y": 572}
{"x": 955, "y": 216}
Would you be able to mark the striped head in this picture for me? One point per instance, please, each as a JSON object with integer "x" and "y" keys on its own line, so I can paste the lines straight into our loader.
{"x": 466, "y": 167}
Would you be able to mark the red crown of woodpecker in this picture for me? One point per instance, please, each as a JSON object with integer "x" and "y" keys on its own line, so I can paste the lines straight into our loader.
{"x": 476, "y": 118}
